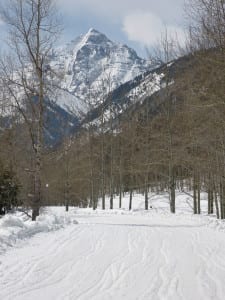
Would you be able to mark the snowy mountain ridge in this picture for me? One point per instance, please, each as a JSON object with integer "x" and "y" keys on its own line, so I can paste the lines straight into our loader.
{"x": 83, "y": 73}
{"x": 91, "y": 65}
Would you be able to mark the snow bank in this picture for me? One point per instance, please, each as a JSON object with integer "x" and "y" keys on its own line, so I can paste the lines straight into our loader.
{"x": 160, "y": 209}
{"x": 167, "y": 256}
{"x": 15, "y": 228}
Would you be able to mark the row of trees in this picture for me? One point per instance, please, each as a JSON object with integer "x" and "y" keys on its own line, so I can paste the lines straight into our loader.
{"x": 175, "y": 139}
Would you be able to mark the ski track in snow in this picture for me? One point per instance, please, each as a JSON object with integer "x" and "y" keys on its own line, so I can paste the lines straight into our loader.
{"x": 112, "y": 256}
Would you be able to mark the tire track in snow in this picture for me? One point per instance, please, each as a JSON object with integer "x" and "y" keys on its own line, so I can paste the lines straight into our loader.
{"x": 139, "y": 264}
{"x": 27, "y": 267}
{"x": 209, "y": 286}
{"x": 104, "y": 280}
{"x": 168, "y": 286}
{"x": 29, "y": 279}
{"x": 118, "y": 270}
{"x": 151, "y": 289}
{"x": 97, "y": 262}
{"x": 97, "y": 245}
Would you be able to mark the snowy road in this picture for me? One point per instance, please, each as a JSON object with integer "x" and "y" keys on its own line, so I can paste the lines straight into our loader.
{"x": 113, "y": 256}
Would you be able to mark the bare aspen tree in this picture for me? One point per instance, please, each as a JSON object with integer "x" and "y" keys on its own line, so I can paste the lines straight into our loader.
{"x": 167, "y": 52}
{"x": 33, "y": 29}
{"x": 67, "y": 145}
{"x": 104, "y": 90}
{"x": 120, "y": 164}
{"x": 90, "y": 101}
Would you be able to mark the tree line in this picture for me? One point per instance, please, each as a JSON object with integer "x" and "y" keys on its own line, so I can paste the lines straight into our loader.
{"x": 174, "y": 140}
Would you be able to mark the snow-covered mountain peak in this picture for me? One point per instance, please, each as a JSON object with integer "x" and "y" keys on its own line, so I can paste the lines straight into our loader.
{"x": 89, "y": 61}
{"x": 91, "y": 38}
{"x": 95, "y": 37}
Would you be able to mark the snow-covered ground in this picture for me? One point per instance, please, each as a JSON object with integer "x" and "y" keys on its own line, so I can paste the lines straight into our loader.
{"x": 102, "y": 255}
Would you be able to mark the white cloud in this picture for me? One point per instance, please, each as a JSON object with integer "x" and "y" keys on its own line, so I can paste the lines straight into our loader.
{"x": 117, "y": 9}
{"x": 147, "y": 29}
{"x": 142, "y": 21}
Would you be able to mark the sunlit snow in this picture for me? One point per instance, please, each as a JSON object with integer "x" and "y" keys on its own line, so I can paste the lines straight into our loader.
{"x": 114, "y": 254}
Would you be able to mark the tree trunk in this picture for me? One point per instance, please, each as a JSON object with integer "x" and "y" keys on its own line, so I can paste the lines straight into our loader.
{"x": 146, "y": 197}
{"x": 111, "y": 200}
{"x": 172, "y": 195}
{"x": 103, "y": 199}
{"x": 120, "y": 197}
{"x": 36, "y": 202}
{"x": 131, "y": 198}
{"x": 35, "y": 213}
{"x": 210, "y": 201}
{"x": 195, "y": 195}
{"x": 67, "y": 196}
{"x": 199, "y": 197}
{"x": 221, "y": 201}
{"x": 216, "y": 205}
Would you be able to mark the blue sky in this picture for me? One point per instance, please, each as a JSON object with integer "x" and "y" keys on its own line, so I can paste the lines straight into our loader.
{"x": 137, "y": 23}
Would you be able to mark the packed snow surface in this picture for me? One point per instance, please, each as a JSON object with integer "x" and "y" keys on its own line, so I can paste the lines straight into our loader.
{"x": 96, "y": 255}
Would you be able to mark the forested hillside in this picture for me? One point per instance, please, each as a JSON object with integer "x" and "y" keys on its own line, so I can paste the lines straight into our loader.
{"x": 162, "y": 131}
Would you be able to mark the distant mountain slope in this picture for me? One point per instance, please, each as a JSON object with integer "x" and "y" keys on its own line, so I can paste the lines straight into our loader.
{"x": 86, "y": 70}
{"x": 131, "y": 95}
